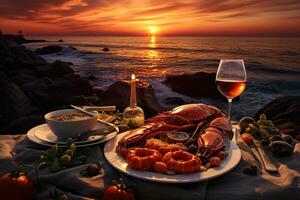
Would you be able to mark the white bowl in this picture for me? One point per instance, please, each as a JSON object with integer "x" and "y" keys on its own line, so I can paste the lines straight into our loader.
{"x": 69, "y": 128}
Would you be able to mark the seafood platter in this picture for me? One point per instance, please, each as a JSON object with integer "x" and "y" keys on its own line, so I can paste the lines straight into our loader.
{"x": 190, "y": 143}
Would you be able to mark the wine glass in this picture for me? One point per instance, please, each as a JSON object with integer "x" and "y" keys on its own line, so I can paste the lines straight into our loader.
{"x": 231, "y": 80}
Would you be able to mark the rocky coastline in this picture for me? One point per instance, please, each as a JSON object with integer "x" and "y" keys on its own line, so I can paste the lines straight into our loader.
{"x": 31, "y": 87}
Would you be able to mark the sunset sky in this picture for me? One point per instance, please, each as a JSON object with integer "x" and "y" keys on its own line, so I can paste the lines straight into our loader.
{"x": 144, "y": 17}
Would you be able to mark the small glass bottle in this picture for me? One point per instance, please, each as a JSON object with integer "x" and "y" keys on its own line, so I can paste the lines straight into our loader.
{"x": 133, "y": 115}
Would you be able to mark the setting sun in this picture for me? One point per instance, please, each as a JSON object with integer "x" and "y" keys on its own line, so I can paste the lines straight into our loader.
{"x": 153, "y": 30}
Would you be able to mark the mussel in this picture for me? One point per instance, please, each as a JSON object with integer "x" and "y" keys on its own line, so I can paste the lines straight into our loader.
{"x": 289, "y": 139}
{"x": 281, "y": 148}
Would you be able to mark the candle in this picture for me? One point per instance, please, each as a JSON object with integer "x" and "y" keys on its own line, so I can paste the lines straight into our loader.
{"x": 133, "y": 91}
{"x": 133, "y": 115}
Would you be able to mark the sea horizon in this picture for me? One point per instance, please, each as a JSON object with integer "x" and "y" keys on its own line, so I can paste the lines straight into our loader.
{"x": 30, "y": 36}
{"x": 272, "y": 64}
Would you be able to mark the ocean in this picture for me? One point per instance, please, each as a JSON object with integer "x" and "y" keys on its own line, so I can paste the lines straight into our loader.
{"x": 272, "y": 64}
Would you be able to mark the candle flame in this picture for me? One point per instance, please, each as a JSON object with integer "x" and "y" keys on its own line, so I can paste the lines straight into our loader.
{"x": 133, "y": 77}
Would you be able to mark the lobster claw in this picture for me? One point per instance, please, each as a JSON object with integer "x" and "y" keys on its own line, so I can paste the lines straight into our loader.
{"x": 224, "y": 124}
{"x": 210, "y": 141}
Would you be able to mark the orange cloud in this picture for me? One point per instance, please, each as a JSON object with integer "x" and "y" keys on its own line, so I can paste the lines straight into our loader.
{"x": 173, "y": 17}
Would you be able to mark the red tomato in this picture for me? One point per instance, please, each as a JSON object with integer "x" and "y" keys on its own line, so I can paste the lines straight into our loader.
{"x": 118, "y": 192}
{"x": 215, "y": 161}
{"x": 247, "y": 138}
{"x": 221, "y": 155}
{"x": 15, "y": 188}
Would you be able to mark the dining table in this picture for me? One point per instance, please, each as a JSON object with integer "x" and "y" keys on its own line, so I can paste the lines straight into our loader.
{"x": 235, "y": 185}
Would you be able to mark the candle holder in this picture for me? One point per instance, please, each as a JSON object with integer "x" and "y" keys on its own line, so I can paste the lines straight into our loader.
{"x": 133, "y": 115}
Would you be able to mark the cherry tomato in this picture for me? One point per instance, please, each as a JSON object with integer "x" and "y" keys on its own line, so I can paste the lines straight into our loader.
{"x": 221, "y": 155}
{"x": 160, "y": 167}
{"x": 118, "y": 191}
{"x": 15, "y": 188}
{"x": 215, "y": 161}
{"x": 247, "y": 138}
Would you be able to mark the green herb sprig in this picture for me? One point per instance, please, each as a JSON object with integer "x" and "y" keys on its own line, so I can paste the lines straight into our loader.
{"x": 58, "y": 158}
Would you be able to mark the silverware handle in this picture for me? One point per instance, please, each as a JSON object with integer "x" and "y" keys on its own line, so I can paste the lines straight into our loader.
{"x": 268, "y": 163}
{"x": 83, "y": 111}
{"x": 100, "y": 108}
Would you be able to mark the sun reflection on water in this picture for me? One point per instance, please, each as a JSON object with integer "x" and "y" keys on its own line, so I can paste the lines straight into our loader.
{"x": 152, "y": 54}
{"x": 153, "y": 59}
{"x": 152, "y": 43}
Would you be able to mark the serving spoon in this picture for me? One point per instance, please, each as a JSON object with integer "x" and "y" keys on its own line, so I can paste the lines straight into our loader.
{"x": 92, "y": 114}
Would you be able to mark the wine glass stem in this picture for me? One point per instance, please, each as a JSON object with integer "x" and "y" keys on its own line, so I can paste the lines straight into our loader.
{"x": 229, "y": 108}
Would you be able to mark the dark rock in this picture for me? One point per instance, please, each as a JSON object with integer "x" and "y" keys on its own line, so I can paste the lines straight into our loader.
{"x": 72, "y": 48}
{"x": 105, "y": 49}
{"x": 60, "y": 41}
{"x": 119, "y": 94}
{"x": 72, "y": 84}
{"x": 284, "y": 112}
{"x": 98, "y": 91}
{"x": 67, "y": 50}
{"x": 22, "y": 124}
{"x": 3, "y": 69}
{"x": 13, "y": 103}
{"x": 20, "y": 39}
{"x": 56, "y": 69}
{"x": 3, "y": 78}
{"x": 22, "y": 77}
{"x": 49, "y": 49}
{"x": 286, "y": 125}
{"x": 38, "y": 92}
{"x": 289, "y": 131}
{"x": 91, "y": 100}
{"x": 70, "y": 89}
{"x": 200, "y": 84}
{"x": 280, "y": 121}
{"x": 70, "y": 63}
{"x": 22, "y": 71}
{"x": 57, "y": 88}
{"x": 174, "y": 101}
{"x": 47, "y": 94}
{"x": 33, "y": 41}
{"x": 91, "y": 77}
{"x": 16, "y": 56}
{"x": 17, "y": 38}
{"x": 80, "y": 100}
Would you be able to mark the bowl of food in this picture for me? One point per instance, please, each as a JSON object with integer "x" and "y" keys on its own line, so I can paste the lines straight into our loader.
{"x": 70, "y": 123}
